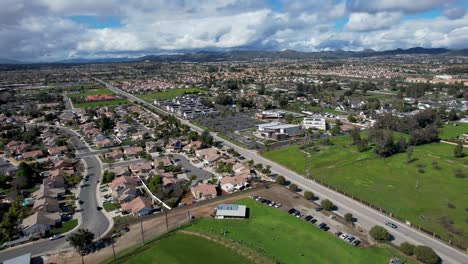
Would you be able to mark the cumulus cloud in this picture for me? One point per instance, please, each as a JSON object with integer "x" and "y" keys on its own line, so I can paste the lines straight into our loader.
{"x": 395, "y": 5}
{"x": 369, "y": 22}
{"x": 45, "y": 29}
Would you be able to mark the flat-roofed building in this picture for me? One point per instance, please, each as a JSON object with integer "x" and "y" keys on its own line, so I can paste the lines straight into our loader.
{"x": 231, "y": 211}
{"x": 314, "y": 123}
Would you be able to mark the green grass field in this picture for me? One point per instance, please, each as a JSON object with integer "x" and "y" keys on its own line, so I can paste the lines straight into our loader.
{"x": 101, "y": 103}
{"x": 169, "y": 94}
{"x": 66, "y": 226}
{"x": 268, "y": 233}
{"x": 450, "y": 131}
{"x": 182, "y": 248}
{"x": 424, "y": 192}
{"x": 92, "y": 92}
{"x": 286, "y": 239}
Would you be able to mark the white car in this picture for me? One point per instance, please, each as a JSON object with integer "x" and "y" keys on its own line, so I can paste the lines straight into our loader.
{"x": 55, "y": 237}
{"x": 344, "y": 236}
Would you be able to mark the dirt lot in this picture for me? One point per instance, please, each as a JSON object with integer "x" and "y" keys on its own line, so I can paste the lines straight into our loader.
{"x": 155, "y": 225}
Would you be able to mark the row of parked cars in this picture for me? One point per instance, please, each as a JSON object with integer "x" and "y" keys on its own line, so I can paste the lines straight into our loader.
{"x": 309, "y": 219}
{"x": 266, "y": 201}
{"x": 348, "y": 238}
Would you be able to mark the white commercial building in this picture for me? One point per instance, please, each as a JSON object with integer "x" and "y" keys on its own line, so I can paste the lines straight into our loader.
{"x": 314, "y": 123}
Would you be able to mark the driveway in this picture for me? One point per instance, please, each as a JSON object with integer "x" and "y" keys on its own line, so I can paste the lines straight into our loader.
{"x": 191, "y": 169}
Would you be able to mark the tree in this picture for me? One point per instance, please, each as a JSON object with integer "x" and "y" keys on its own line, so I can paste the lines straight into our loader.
{"x": 155, "y": 183}
{"x": 379, "y": 233}
{"x": 407, "y": 248}
{"x": 24, "y": 176}
{"x": 108, "y": 176}
{"x": 348, "y": 217}
{"x": 250, "y": 162}
{"x": 309, "y": 195}
{"x": 105, "y": 123}
{"x": 293, "y": 187}
{"x": 355, "y": 135}
{"x": 327, "y": 204}
{"x": 206, "y": 139}
{"x": 458, "y": 150}
{"x": 280, "y": 180}
{"x": 426, "y": 255}
{"x": 80, "y": 240}
{"x": 352, "y": 119}
{"x": 452, "y": 115}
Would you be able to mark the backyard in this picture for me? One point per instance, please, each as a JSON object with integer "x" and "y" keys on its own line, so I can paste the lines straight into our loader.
{"x": 169, "y": 94}
{"x": 425, "y": 191}
{"x": 269, "y": 235}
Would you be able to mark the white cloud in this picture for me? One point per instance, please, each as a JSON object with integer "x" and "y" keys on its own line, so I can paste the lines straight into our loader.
{"x": 369, "y": 22}
{"x": 42, "y": 30}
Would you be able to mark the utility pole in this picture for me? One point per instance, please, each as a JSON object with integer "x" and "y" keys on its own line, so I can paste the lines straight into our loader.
{"x": 167, "y": 222}
{"x": 113, "y": 249}
{"x": 142, "y": 235}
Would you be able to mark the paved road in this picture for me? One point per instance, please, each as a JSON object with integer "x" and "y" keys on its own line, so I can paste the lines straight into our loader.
{"x": 91, "y": 218}
{"x": 367, "y": 217}
{"x": 191, "y": 169}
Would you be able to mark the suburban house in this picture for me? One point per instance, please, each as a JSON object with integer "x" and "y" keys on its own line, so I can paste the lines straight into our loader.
{"x": 139, "y": 206}
{"x": 237, "y": 182}
{"x": 115, "y": 154}
{"x": 46, "y": 204}
{"x": 208, "y": 155}
{"x": 124, "y": 188}
{"x": 132, "y": 152}
{"x": 140, "y": 167}
{"x": 57, "y": 150}
{"x": 35, "y": 154}
{"x": 104, "y": 142}
{"x": 120, "y": 171}
{"x": 204, "y": 191}
{"x": 40, "y": 222}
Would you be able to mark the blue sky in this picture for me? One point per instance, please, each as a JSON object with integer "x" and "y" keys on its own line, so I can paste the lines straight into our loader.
{"x": 58, "y": 29}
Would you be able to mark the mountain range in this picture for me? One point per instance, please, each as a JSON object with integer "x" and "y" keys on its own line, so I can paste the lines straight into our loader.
{"x": 252, "y": 55}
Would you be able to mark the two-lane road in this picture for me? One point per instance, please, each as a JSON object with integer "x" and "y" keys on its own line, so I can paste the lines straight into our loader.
{"x": 367, "y": 217}
{"x": 91, "y": 218}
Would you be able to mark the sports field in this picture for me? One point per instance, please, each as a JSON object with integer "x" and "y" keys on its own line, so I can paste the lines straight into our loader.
{"x": 92, "y": 92}
{"x": 169, "y": 94}
{"x": 101, "y": 103}
{"x": 268, "y": 236}
{"x": 424, "y": 192}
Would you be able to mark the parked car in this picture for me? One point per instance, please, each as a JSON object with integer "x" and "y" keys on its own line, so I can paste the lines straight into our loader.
{"x": 308, "y": 218}
{"x": 332, "y": 216}
{"x": 338, "y": 234}
{"x": 390, "y": 224}
{"x": 278, "y": 205}
{"x": 343, "y": 236}
{"x": 322, "y": 225}
{"x": 355, "y": 242}
{"x": 350, "y": 239}
{"x": 317, "y": 209}
{"x": 55, "y": 237}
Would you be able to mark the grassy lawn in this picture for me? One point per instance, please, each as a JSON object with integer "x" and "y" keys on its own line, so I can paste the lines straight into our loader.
{"x": 169, "y": 94}
{"x": 298, "y": 107}
{"x": 110, "y": 206}
{"x": 101, "y": 103}
{"x": 286, "y": 239}
{"x": 66, "y": 226}
{"x": 268, "y": 233}
{"x": 433, "y": 199}
{"x": 92, "y": 92}
{"x": 183, "y": 248}
{"x": 450, "y": 131}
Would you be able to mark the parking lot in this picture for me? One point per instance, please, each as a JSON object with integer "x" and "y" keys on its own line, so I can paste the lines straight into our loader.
{"x": 227, "y": 124}
{"x": 298, "y": 206}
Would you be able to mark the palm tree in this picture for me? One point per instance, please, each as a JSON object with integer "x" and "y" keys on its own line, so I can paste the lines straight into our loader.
{"x": 80, "y": 240}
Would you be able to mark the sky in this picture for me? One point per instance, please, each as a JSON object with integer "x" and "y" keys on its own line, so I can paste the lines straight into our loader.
{"x": 50, "y": 30}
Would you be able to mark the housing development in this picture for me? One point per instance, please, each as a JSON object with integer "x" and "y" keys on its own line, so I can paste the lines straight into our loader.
{"x": 152, "y": 151}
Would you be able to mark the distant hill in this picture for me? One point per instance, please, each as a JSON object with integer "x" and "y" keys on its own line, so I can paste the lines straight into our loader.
{"x": 252, "y": 55}
{"x": 9, "y": 61}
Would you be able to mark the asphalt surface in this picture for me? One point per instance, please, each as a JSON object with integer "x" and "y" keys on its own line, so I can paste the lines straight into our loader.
{"x": 91, "y": 218}
{"x": 190, "y": 169}
{"x": 366, "y": 216}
